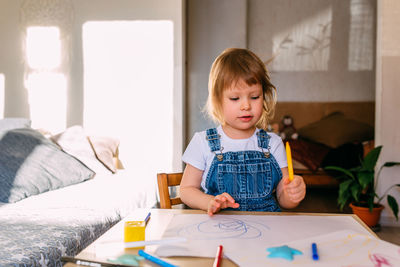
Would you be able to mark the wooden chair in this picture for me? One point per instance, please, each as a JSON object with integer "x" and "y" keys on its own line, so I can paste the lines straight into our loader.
{"x": 166, "y": 180}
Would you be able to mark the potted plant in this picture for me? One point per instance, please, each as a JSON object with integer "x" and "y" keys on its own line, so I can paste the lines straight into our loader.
{"x": 358, "y": 188}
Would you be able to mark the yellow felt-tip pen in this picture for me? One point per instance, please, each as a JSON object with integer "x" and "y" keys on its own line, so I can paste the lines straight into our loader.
{"x": 289, "y": 161}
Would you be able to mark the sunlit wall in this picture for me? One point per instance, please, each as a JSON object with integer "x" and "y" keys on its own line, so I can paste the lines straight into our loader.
{"x": 305, "y": 46}
{"x": 362, "y": 32}
{"x": 128, "y": 91}
{"x": 46, "y": 84}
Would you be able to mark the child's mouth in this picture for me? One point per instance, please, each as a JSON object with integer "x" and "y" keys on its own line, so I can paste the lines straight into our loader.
{"x": 245, "y": 118}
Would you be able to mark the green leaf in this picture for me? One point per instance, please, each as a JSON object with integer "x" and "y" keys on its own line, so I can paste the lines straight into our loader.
{"x": 393, "y": 205}
{"x": 343, "y": 187}
{"x": 334, "y": 168}
{"x": 391, "y": 164}
{"x": 355, "y": 191}
{"x": 344, "y": 194}
{"x": 371, "y": 158}
{"x": 370, "y": 202}
{"x": 342, "y": 200}
{"x": 355, "y": 169}
{"x": 365, "y": 178}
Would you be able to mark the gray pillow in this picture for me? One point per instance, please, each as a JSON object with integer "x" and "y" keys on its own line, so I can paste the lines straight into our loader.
{"x": 14, "y": 123}
{"x": 31, "y": 164}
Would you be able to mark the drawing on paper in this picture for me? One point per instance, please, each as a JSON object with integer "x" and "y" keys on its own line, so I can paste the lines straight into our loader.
{"x": 223, "y": 228}
{"x": 341, "y": 240}
{"x": 345, "y": 248}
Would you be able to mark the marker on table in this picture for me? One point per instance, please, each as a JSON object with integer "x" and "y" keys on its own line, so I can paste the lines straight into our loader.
{"x": 314, "y": 251}
{"x": 155, "y": 259}
{"x": 289, "y": 161}
{"x": 89, "y": 262}
{"x": 218, "y": 256}
{"x": 147, "y": 218}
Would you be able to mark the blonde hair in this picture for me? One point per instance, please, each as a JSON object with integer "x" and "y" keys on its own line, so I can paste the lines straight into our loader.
{"x": 231, "y": 66}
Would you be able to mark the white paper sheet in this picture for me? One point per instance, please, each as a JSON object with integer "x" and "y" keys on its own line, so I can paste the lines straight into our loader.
{"x": 242, "y": 234}
{"x": 342, "y": 248}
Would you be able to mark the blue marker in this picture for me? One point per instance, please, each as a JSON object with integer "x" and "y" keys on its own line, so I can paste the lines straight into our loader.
{"x": 155, "y": 259}
{"x": 147, "y": 218}
{"x": 314, "y": 251}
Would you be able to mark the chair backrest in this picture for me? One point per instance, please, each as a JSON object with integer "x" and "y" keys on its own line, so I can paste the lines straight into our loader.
{"x": 165, "y": 180}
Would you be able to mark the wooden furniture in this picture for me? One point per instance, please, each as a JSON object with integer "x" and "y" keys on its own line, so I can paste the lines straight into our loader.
{"x": 318, "y": 178}
{"x": 165, "y": 181}
{"x": 109, "y": 245}
{"x": 304, "y": 113}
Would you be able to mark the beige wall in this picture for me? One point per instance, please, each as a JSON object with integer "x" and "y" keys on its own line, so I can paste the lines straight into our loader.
{"x": 387, "y": 130}
{"x": 212, "y": 26}
{"x": 11, "y": 60}
{"x": 323, "y": 51}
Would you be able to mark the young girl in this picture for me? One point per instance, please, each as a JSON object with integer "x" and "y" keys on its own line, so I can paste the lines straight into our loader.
{"x": 239, "y": 165}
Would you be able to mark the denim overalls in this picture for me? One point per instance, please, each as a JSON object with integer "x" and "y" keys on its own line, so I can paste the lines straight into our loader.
{"x": 250, "y": 177}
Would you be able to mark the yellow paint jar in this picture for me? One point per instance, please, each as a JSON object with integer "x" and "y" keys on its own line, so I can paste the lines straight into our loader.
{"x": 134, "y": 231}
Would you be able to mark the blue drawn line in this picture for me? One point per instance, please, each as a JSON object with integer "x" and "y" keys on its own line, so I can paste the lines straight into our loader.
{"x": 223, "y": 228}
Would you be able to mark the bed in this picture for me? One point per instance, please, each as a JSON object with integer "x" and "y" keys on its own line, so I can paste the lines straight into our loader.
{"x": 60, "y": 214}
{"x": 328, "y": 133}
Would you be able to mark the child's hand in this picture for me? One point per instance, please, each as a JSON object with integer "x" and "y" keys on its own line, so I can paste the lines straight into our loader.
{"x": 219, "y": 202}
{"x": 295, "y": 189}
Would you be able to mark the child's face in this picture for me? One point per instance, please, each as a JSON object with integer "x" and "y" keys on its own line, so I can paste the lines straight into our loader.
{"x": 242, "y": 107}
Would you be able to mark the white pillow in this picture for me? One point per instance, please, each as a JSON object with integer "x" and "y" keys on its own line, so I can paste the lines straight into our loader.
{"x": 75, "y": 142}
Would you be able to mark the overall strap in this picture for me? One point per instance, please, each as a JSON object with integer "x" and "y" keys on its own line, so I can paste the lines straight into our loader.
{"x": 263, "y": 139}
{"x": 213, "y": 139}
{"x": 263, "y": 142}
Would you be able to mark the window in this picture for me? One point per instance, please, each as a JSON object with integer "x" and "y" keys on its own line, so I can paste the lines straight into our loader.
{"x": 46, "y": 85}
{"x": 128, "y": 91}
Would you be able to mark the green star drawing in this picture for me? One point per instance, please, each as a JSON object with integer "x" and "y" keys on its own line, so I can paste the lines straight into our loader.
{"x": 128, "y": 259}
{"x": 284, "y": 252}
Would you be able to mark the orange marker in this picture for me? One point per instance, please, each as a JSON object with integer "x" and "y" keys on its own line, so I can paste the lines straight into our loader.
{"x": 289, "y": 161}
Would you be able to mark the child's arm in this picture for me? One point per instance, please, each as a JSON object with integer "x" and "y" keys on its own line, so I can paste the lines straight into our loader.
{"x": 192, "y": 196}
{"x": 289, "y": 194}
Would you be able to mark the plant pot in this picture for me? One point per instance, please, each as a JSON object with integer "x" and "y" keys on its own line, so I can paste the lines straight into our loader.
{"x": 369, "y": 218}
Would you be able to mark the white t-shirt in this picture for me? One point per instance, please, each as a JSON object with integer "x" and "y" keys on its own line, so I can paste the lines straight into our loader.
{"x": 199, "y": 155}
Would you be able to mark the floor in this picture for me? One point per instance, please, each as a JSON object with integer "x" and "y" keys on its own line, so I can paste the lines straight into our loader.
{"x": 324, "y": 200}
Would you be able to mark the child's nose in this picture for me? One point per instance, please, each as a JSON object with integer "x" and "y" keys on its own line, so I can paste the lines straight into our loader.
{"x": 245, "y": 105}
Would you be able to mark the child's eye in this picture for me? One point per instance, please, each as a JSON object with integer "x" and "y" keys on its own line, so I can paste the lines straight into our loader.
{"x": 234, "y": 98}
{"x": 255, "y": 97}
